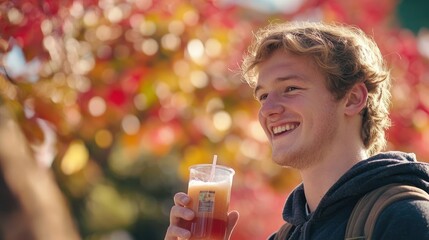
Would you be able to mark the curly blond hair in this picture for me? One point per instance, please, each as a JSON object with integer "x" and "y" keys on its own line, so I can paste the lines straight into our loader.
{"x": 344, "y": 54}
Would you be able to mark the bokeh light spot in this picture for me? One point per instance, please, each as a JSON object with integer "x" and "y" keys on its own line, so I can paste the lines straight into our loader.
{"x": 423, "y": 42}
{"x": 257, "y": 132}
{"x": 103, "y": 138}
{"x": 170, "y": 41}
{"x": 82, "y": 84}
{"x": 115, "y": 14}
{"x": 215, "y": 104}
{"x": 103, "y": 33}
{"x": 97, "y": 106}
{"x": 162, "y": 90}
{"x": 15, "y": 16}
{"x": 190, "y": 18}
{"x": 199, "y": 79}
{"x": 147, "y": 28}
{"x": 222, "y": 121}
{"x": 77, "y": 10}
{"x": 84, "y": 65}
{"x": 75, "y": 158}
{"x": 130, "y": 124}
{"x": 90, "y": 18}
{"x": 195, "y": 49}
{"x": 213, "y": 47}
{"x": 46, "y": 26}
{"x": 150, "y": 47}
{"x": 140, "y": 101}
{"x": 166, "y": 135}
{"x": 250, "y": 149}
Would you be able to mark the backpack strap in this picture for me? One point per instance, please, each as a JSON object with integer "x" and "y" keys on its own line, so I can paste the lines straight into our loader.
{"x": 283, "y": 232}
{"x": 364, "y": 215}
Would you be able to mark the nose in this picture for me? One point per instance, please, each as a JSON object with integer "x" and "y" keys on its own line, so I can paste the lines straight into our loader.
{"x": 271, "y": 107}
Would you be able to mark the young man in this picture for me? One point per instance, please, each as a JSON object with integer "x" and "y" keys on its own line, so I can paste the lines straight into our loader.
{"x": 324, "y": 95}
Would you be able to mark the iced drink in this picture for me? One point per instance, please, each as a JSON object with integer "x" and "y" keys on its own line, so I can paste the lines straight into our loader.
{"x": 210, "y": 201}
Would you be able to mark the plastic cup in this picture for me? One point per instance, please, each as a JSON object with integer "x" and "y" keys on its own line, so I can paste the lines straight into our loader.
{"x": 210, "y": 200}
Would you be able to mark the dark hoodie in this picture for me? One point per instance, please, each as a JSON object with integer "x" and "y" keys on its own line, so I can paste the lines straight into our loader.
{"x": 406, "y": 219}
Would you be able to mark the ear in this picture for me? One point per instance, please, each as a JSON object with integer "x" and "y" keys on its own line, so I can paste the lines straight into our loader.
{"x": 355, "y": 99}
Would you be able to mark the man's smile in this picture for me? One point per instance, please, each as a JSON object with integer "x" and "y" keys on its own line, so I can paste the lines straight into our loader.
{"x": 284, "y": 128}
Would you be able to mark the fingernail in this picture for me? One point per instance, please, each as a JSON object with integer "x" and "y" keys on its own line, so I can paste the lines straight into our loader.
{"x": 189, "y": 214}
{"x": 185, "y": 199}
{"x": 186, "y": 234}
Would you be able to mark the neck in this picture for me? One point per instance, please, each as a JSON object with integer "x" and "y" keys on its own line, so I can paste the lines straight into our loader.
{"x": 320, "y": 177}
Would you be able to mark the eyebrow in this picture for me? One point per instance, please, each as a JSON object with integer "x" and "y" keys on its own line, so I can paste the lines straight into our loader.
{"x": 279, "y": 79}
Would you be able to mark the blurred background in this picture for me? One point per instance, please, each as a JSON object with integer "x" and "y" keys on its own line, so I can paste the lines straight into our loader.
{"x": 115, "y": 99}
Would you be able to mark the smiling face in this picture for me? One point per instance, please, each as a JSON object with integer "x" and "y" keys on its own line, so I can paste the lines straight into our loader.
{"x": 299, "y": 115}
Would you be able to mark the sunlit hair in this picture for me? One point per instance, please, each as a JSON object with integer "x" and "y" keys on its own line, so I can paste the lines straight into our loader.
{"x": 344, "y": 54}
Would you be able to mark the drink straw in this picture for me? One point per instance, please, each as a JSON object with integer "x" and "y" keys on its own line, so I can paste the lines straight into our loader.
{"x": 212, "y": 173}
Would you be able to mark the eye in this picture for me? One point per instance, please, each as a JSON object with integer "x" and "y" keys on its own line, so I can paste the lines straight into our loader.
{"x": 289, "y": 89}
{"x": 262, "y": 97}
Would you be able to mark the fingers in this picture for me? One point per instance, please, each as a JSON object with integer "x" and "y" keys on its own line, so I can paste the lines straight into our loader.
{"x": 181, "y": 199}
{"x": 178, "y": 214}
{"x": 178, "y": 211}
{"x": 232, "y": 222}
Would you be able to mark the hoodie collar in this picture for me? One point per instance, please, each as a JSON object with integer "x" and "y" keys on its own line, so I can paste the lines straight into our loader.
{"x": 367, "y": 175}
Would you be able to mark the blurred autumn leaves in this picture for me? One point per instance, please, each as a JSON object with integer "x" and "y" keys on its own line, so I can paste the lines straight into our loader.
{"x": 120, "y": 97}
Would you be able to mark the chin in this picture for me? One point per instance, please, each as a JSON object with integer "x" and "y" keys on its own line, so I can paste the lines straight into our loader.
{"x": 283, "y": 160}
{"x": 290, "y": 159}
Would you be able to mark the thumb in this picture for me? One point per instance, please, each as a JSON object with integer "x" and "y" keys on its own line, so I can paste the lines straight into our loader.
{"x": 232, "y": 222}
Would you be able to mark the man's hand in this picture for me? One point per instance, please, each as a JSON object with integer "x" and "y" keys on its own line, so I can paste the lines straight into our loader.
{"x": 179, "y": 213}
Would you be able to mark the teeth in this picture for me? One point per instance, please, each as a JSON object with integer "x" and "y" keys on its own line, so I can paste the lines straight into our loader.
{"x": 284, "y": 128}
